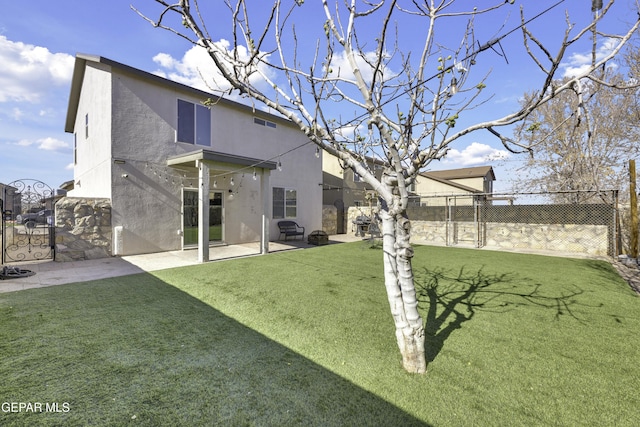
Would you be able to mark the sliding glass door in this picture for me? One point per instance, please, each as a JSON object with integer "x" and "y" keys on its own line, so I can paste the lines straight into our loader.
{"x": 190, "y": 218}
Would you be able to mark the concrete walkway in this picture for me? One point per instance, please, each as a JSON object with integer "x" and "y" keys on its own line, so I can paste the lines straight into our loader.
{"x": 50, "y": 273}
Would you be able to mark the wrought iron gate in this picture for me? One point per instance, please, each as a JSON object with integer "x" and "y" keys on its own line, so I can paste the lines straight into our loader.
{"x": 28, "y": 229}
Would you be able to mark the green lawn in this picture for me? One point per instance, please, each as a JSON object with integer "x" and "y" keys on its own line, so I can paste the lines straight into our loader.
{"x": 306, "y": 338}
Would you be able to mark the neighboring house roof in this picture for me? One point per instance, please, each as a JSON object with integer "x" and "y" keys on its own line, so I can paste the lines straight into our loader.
{"x": 78, "y": 77}
{"x": 67, "y": 185}
{"x": 475, "y": 172}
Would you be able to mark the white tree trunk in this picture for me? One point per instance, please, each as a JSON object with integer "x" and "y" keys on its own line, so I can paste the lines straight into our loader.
{"x": 398, "y": 274}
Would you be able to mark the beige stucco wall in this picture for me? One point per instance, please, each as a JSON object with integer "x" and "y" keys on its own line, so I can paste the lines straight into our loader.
{"x": 426, "y": 186}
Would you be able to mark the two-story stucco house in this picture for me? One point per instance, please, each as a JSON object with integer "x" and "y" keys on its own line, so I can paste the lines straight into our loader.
{"x": 169, "y": 164}
{"x": 464, "y": 181}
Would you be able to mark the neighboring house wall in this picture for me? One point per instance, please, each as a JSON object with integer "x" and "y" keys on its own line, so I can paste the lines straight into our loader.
{"x": 424, "y": 185}
{"x": 452, "y": 182}
{"x": 342, "y": 184}
{"x": 11, "y": 203}
{"x": 332, "y": 179}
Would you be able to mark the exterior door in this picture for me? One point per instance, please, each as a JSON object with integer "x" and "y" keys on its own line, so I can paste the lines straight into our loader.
{"x": 190, "y": 218}
{"x": 216, "y": 218}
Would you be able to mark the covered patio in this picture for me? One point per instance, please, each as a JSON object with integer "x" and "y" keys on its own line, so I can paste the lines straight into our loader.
{"x": 211, "y": 166}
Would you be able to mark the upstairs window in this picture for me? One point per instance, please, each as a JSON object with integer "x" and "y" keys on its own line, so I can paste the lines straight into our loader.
{"x": 194, "y": 123}
{"x": 86, "y": 126}
{"x": 263, "y": 122}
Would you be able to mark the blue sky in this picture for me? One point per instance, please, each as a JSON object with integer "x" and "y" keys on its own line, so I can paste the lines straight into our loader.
{"x": 39, "y": 38}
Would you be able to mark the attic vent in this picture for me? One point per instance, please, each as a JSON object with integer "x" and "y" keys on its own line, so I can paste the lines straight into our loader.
{"x": 263, "y": 122}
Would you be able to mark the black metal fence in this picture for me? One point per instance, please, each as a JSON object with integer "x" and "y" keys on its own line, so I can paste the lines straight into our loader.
{"x": 27, "y": 227}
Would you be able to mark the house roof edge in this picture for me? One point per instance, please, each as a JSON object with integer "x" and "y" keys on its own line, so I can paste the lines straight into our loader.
{"x": 78, "y": 76}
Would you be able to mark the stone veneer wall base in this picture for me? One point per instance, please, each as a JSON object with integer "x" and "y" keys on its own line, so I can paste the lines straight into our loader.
{"x": 83, "y": 229}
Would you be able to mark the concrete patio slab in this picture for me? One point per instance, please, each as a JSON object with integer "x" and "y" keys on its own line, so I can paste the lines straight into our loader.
{"x": 51, "y": 273}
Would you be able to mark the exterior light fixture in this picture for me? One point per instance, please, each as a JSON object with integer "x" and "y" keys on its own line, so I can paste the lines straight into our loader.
{"x": 454, "y": 86}
{"x": 596, "y": 5}
{"x": 318, "y": 152}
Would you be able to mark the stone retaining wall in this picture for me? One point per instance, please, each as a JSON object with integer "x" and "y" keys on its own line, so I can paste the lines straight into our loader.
{"x": 569, "y": 238}
{"x": 330, "y": 219}
{"x": 83, "y": 229}
{"x": 596, "y": 240}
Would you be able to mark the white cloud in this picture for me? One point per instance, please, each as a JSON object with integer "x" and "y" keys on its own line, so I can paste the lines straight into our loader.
{"x": 340, "y": 67}
{"x": 69, "y": 167}
{"x": 24, "y": 143}
{"x": 17, "y": 114}
{"x": 580, "y": 62}
{"x": 52, "y": 144}
{"x": 196, "y": 68}
{"x": 475, "y": 154}
{"x": 27, "y": 72}
{"x": 47, "y": 144}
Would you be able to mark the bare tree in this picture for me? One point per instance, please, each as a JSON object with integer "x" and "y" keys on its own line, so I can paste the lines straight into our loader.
{"x": 583, "y": 138}
{"x": 584, "y": 152}
{"x": 400, "y": 106}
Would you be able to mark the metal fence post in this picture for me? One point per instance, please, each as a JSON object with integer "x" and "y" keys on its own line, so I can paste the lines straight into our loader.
{"x": 634, "y": 209}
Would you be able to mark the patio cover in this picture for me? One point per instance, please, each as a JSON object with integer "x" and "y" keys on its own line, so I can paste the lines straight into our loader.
{"x": 204, "y": 160}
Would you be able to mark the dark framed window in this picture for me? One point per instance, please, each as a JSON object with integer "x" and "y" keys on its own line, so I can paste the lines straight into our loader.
{"x": 285, "y": 203}
{"x": 194, "y": 123}
{"x": 263, "y": 122}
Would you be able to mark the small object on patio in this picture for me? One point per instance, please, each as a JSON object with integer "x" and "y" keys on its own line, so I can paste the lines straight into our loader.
{"x": 318, "y": 237}
{"x": 14, "y": 273}
{"x": 290, "y": 229}
{"x": 362, "y": 223}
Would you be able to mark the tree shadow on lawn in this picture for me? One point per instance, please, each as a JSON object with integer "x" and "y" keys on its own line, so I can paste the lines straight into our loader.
{"x": 452, "y": 299}
{"x": 140, "y": 350}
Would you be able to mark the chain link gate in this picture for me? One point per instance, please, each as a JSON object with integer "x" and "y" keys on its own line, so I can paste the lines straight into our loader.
{"x": 28, "y": 229}
{"x": 571, "y": 222}
{"x": 464, "y": 220}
